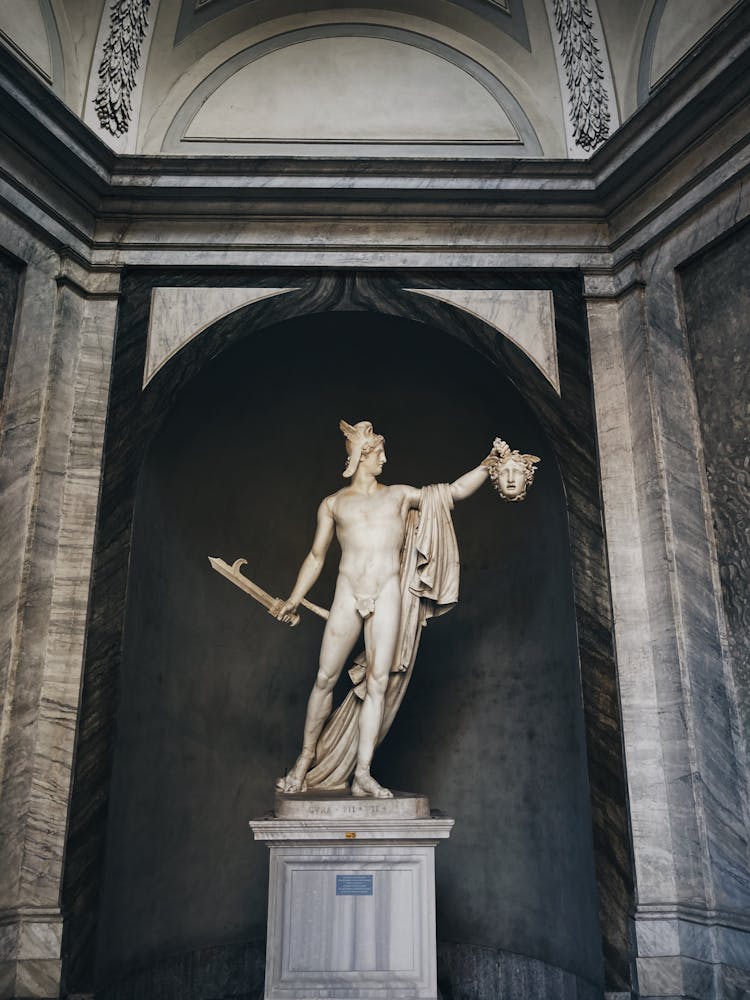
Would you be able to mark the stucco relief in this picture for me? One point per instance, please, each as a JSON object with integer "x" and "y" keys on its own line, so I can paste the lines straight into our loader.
{"x": 589, "y": 110}
{"x": 119, "y": 63}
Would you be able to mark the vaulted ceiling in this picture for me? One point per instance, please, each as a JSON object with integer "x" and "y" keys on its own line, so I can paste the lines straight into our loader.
{"x": 448, "y": 78}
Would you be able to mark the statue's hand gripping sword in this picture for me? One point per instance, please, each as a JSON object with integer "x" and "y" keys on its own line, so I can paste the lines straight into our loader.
{"x": 272, "y": 604}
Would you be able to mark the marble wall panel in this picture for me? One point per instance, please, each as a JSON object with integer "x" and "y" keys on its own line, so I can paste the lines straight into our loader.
{"x": 703, "y": 732}
{"x": 569, "y": 423}
{"x": 716, "y": 295}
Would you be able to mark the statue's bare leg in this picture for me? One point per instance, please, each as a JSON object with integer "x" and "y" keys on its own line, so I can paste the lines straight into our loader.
{"x": 341, "y": 632}
{"x": 381, "y": 634}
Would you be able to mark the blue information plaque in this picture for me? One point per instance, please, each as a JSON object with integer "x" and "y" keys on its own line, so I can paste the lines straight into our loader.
{"x": 354, "y": 885}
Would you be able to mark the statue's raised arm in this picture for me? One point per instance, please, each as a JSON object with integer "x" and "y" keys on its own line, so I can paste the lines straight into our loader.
{"x": 399, "y": 567}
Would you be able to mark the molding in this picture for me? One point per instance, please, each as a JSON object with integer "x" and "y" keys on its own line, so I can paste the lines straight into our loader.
{"x": 647, "y": 52}
{"x": 679, "y": 956}
{"x": 61, "y": 179}
{"x": 736, "y": 920}
{"x": 30, "y": 952}
{"x": 55, "y": 48}
{"x": 7, "y": 40}
{"x": 89, "y": 283}
{"x": 507, "y": 15}
{"x": 34, "y": 914}
{"x": 25, "y": 978}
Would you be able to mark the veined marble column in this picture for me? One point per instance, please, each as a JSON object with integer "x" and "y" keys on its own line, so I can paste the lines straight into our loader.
{"x": 56, "y": 393}
{"x": 684, "y": 762}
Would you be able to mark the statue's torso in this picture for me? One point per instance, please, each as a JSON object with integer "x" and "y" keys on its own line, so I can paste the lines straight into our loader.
{"x": 370, "y": 529}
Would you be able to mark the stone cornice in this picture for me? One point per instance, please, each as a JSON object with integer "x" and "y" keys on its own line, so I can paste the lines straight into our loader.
{"x": 57, "y": 173}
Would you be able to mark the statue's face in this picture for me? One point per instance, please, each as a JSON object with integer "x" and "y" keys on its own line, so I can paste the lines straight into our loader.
{"x": 511, "y": 479}
{"x": 375, "y": 461}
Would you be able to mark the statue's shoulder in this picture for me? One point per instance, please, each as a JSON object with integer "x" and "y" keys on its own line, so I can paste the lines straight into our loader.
{"x": 326, "y": 504}
{"x": 405, "y": 492}
{"x": 329, "y": 503}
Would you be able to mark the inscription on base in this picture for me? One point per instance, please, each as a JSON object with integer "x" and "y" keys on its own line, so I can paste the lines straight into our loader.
{"x": 354, "y": 885}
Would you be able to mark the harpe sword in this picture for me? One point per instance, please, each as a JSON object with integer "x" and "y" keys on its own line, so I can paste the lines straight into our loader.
{"x": 271, "y": 604}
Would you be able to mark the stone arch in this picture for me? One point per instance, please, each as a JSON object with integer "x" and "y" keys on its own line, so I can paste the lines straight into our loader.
{"x": 136, "y": 415}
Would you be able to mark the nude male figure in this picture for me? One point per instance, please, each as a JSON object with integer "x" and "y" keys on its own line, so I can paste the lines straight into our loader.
{"x": 369, "y": 520}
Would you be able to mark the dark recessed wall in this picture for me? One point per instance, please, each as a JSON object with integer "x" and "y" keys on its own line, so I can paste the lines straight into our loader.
{"x": 213, "y": 691}
{"x": 716, "y": 295}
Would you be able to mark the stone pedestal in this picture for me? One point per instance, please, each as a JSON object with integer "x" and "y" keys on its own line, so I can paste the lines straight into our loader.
{"x": 351, "y": 899}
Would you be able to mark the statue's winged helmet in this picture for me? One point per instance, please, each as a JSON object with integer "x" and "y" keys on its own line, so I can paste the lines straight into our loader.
{"x": 361, "y": 439}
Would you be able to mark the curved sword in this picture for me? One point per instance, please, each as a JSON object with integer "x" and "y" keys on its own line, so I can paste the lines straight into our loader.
{"x": 271, "y": 604}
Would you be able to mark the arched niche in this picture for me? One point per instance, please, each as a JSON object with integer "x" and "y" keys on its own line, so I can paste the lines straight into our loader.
{"x": 494, "y": 375}
{"x": 29, "y": 27}
{"x": 350, "y": 88}
{"x": 670, "y": 36}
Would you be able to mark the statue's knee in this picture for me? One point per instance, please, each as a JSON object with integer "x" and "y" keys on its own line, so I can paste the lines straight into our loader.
{"x": 376, "y": 686}
{"x": 325, "y": 683}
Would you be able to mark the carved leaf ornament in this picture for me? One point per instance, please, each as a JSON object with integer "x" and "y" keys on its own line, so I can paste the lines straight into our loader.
{"x": 120, "y": 58}
{"x": 589, "y": 104}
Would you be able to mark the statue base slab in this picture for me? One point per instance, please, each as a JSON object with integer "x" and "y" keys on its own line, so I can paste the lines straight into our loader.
{"x": 342, "y": 805}
{"x": 351, "y": 902}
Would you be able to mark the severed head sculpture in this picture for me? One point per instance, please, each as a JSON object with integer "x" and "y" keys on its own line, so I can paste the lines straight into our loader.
{"x": 510, "y": 471}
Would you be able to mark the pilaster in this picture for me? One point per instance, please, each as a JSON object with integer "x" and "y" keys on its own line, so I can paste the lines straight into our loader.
{"x": 684, "y": 762}
{"x": 56, "y": 393}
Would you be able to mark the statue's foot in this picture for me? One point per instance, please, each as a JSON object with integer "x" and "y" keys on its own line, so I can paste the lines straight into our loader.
{"x": 365, "y": 785}
{"x": 295, "y": 780}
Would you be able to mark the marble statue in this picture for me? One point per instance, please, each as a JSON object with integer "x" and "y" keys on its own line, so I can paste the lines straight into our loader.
{"x": 399, "y": 567}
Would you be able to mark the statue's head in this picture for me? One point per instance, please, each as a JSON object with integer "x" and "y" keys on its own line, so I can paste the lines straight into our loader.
{"x": 361, "y": 440}
{"x": 513, "y": 472}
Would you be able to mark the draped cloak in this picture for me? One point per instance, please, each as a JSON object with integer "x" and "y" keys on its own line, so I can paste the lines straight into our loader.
{"x": 429, "y": 577}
